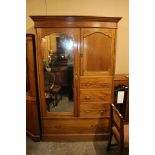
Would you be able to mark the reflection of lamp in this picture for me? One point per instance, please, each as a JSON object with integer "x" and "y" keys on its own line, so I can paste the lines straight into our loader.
{"x": 68, "y": 44}
{"x": 49, "y": 57}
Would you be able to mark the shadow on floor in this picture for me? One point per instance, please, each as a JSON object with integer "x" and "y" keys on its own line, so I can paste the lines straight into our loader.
{"x": 100, "y": 148}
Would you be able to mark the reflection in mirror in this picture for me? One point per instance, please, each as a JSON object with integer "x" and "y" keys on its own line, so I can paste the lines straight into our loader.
{"x": 57, "y": 52}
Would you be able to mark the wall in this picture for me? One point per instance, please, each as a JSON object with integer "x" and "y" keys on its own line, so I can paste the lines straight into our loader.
{"x": 88, "y": 7}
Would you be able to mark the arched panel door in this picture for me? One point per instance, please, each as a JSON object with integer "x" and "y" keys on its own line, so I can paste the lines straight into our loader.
{"x": 97, "y": 51}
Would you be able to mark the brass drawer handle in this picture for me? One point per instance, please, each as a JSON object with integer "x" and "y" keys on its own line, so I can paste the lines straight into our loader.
{"x": 102, "y": 111}
{"x": 88, "y": 84}
{"x": 87, "y": 111}
{"x": 87, "y": 97}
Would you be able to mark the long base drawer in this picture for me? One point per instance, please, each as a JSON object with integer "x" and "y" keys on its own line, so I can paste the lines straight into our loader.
{"x": 81, "y": 126}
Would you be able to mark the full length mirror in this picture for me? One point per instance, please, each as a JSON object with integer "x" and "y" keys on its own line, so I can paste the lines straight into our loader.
{"x": 57, "y": 52}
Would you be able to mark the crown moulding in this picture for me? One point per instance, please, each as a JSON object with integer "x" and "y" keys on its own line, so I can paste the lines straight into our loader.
{"x": 75, "y": 21}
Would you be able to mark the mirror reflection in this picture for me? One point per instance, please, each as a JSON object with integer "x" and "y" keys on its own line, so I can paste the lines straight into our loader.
{"x": 57, "y": 51}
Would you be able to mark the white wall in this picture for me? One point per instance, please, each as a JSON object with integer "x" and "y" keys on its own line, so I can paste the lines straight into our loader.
{"x": 114, "y": 8}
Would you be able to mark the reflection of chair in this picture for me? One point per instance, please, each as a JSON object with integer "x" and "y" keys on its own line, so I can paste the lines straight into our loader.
{"x": 119, "y": 130}
{"x": 69, "y": 73}
{"x": 53, "y": 92}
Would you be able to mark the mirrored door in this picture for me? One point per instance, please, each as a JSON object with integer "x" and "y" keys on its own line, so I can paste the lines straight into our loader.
{"x": 60, "y": 71}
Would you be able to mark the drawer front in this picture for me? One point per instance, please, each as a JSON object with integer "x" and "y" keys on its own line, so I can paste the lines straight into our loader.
{"x": 92, "y": 95}
{"x": 81, "y": 126}
{"x": 95, "y": 82}
{"x": 94, "y": 110}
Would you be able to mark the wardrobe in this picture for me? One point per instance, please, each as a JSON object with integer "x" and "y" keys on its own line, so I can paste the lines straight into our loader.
{"x": 75, "y": 63}
{"x": 32, "y": 101}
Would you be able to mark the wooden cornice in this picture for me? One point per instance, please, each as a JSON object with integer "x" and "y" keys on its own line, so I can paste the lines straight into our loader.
{"x": 74, "y": 21}
{"x": 76, "y": 18}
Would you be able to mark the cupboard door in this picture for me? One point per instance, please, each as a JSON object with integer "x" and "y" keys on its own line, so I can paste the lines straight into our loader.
{"x": 97, "y": 51}
{"x": 58, "y": 69}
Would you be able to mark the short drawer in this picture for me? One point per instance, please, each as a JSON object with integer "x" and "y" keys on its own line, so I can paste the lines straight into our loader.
{"x": 92, "y": 95}
{"x": 87, "y": 82}
{"x": 94, "y": 110}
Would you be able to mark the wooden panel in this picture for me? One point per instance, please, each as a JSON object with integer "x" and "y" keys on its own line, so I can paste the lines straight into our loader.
{"x": 87, "y": 82}
{"x": 95, "y": 95}
{"x": 81, "y": 126}
{"x": 98, "y": 58}
{"x": 32, "y": 120}
{"x": 97, "y": 51}
{"x": 28, "y": 116}
{"x": 93, "y": 110}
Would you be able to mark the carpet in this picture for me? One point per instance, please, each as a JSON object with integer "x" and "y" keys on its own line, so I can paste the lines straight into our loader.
{"x": 69, "y": 148}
